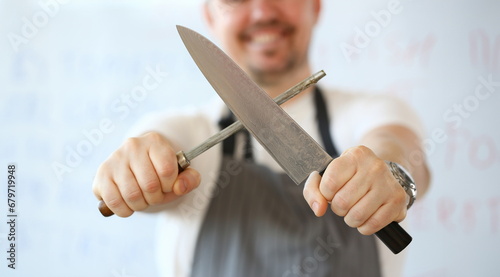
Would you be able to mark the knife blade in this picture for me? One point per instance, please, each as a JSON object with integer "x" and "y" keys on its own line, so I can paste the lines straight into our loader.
{"x": 184, "y": 158}
{"x": 292, "y": 148}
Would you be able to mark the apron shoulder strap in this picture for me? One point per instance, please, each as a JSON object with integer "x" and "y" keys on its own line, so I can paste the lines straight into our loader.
{"x": 323, "y": 121}
{"x": 229, "y": 144}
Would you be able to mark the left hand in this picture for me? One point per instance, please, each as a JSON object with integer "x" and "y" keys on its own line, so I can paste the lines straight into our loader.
{"x": 361, "y": 188}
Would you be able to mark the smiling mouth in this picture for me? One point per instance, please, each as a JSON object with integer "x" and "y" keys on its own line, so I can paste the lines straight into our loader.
{"x": 266, "y": 36}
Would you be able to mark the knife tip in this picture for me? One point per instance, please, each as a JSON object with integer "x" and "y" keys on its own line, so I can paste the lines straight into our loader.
{"x": 182, "y": 29}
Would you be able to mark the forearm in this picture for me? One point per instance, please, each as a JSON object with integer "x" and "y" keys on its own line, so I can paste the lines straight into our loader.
{"x": 400, "y": 145}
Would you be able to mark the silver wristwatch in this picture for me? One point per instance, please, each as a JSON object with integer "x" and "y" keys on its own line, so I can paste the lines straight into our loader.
{"x": 405, "y": 180}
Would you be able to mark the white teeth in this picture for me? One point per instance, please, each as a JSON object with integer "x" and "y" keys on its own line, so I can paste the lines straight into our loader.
{"x": 265, "y": 38}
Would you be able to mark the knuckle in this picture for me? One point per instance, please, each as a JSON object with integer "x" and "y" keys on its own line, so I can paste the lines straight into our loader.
{"x": 356, "y": 217}
{"x": 350, "y": 157}
{"x": 364, "y": 150}
{"x": 106, "y": 168}
{"x": 133, "y": 196}
{"x": 154, "y": 136}
{"x": 152, "y": 186}
{"x": 130, "y": 144}
{"x": 169, "y": 152}
{"x": 340, "y": 204}
{"x": 371, "y": 225}
{"x": 329, "y": 181}
{"x": 364, "y": 231}
{"x": 379, "y": 167}
{"x": 114, "y": 203}
{"x": 166, "y": 170}
{"x": 359, "y": 153}
{"x": 329, "y": 186}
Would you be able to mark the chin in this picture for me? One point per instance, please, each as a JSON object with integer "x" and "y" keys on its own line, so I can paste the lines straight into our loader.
{"x": 269, "y": 67}
{"x": 266, "y": 76}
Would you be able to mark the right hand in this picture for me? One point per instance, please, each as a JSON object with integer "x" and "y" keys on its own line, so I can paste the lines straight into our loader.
{"x": 143, "y": 172}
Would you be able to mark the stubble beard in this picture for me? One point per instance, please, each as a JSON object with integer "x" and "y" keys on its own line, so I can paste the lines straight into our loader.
{"x": 271, "y": 77}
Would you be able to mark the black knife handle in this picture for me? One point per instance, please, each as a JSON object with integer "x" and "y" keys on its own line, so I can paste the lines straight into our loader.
{"x": 392, "y": 235}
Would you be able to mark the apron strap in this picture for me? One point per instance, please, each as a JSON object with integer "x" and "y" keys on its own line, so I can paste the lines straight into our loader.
{"x": 228, "y": 145}
{"x": 323, "y": 121}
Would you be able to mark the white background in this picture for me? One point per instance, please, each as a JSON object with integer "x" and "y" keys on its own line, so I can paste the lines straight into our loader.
{"x": 68, "y": 73}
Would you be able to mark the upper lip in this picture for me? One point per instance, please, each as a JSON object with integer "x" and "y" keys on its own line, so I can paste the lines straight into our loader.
{"x": 266, "y": 31}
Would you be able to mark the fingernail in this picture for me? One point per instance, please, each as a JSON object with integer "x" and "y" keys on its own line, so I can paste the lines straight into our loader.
{"x": 315, "y": 207}
{"x": 312, "y": 176}
{"x": 182, "y": 186}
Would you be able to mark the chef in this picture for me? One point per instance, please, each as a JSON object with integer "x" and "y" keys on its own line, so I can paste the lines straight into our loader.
{"x": 234, "y": 212}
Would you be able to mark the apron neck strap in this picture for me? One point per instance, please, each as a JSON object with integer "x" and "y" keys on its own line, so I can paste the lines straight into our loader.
{"x": 323, "y": 121}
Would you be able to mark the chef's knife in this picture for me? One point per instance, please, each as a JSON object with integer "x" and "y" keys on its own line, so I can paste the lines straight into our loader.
{"x": 184, "y": 158}
{"x": 294, "y": 150}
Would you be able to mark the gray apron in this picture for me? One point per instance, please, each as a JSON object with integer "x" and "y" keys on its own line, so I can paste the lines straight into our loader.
{"x": 258, "y": 224}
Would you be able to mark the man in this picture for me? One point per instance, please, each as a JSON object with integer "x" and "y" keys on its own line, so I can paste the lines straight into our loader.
{"x": 246, "y": 218}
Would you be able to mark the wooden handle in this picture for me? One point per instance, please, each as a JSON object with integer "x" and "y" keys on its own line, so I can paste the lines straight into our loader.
{"x": 182, "y": 163}
{"x": 105, "y": 211}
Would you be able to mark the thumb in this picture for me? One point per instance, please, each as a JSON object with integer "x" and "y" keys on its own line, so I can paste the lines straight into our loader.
{"x": 187, "y": 180}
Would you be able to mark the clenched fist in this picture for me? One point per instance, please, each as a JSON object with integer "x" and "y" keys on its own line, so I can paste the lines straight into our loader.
{"x": 360, "y": 187}
{"x": 143, "y": 172}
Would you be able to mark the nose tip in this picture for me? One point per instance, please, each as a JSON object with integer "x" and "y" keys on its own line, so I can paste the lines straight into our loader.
{"x": 263, "y": 10}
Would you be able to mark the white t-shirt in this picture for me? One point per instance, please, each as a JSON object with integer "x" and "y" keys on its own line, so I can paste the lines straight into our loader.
{"x": 351, "y": 117}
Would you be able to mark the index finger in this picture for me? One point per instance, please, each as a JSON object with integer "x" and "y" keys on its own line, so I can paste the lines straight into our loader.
{"x": 313, "y": 196}
{"x": 164, "y": 162}
{"x": 336, "y": 175}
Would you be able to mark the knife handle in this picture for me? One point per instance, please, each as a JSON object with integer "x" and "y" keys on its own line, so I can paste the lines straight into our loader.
{"x": 182, "y": 163}
{"x": 394, "y": 237}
